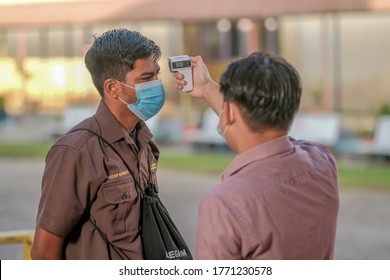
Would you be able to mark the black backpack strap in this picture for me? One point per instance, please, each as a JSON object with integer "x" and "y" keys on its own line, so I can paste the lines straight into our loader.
{"x": 109, "y": 245}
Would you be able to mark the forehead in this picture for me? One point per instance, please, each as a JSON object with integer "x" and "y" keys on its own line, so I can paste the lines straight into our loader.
{"x": 143, "y": 69}
{"x": 145, "y": 64}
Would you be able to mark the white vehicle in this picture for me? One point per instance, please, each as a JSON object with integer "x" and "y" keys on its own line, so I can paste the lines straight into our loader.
{"x": 380, "y": 146}
{"x": 72, "y": 115}
{"x": 207, "y": 137}
{"x": 323, "y": 128}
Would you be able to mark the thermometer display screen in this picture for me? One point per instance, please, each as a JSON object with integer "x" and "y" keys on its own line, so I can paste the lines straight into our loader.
{"x": 181, "y": 64}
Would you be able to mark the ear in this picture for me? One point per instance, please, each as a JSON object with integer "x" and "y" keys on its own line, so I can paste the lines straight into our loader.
{"x": 111, "y": 88}
{"x": 230, "y": 112}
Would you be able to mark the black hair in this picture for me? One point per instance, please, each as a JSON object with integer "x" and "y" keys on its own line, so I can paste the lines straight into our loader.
{"x": 114, "y": 53}
{"x": 266, "y": 88}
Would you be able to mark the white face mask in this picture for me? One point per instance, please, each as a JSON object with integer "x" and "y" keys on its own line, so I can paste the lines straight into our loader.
{"x": 219, "y": 123}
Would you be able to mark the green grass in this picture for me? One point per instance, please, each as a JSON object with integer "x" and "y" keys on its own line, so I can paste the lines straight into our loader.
{"x": 350, "y": 175}
{"x": 19, "y": 150}
{"x": 212, "y": 163}
{"x": 370, "y": 176}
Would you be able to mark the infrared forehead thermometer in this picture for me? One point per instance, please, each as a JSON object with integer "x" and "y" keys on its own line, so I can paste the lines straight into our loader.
{"x": 182, "y": 64}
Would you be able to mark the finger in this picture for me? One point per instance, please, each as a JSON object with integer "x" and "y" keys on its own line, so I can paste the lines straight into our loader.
{"x": 195, "y": 59}
{"x": 178, "y": 75}
{"x": 180, "y": 84}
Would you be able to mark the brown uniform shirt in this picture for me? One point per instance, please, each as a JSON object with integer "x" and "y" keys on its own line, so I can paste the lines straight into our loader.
{"x": 278, "y": 200}
{"x": 84, "y": 175}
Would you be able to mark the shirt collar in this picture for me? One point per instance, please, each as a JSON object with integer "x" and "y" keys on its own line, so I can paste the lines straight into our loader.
{"x": 112, "y": 130}
{"x": 260, "y": 152}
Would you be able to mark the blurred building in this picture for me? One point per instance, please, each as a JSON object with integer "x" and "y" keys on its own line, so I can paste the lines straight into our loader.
{"x": 341, "y": 48}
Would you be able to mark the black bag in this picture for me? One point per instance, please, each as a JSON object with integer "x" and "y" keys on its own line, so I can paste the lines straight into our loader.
{"x": 160, "y": 237}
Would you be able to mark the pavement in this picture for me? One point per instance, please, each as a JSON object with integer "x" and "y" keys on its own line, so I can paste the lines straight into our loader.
{"x": 363, "y": 226}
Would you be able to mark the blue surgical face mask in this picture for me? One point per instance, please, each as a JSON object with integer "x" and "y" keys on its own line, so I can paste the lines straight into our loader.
{"x": 150, "y": 99}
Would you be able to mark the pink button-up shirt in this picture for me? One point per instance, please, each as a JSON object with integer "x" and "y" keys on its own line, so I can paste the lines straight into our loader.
{"x": 278, "y": 200}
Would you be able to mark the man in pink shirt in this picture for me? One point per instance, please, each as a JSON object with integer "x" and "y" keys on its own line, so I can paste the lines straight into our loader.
{"x": 278, "y": 199}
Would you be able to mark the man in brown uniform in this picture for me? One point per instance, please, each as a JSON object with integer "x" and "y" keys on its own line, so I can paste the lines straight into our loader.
{"x": 278, "y": 199}
{"x": 87, "y": 191}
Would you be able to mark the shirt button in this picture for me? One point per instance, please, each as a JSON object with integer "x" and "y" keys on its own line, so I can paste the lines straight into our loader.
{"x": 124, "y": 195}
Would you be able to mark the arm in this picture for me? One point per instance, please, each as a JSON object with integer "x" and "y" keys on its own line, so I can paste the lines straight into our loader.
{"x": 61, "y": 203}
{"x": 204, "y": 86}
{"x": 218, "y": 233}
{"x": 46, "y": 245}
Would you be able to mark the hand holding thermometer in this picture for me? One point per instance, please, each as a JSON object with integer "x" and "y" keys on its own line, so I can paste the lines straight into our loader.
{"x": 183, "y": 65}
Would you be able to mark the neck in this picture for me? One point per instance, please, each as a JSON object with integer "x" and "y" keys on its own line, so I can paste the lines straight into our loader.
{"x": 127, "y": 120}
{"x": 253, "y": 139}
{"x": 124, "y": 116}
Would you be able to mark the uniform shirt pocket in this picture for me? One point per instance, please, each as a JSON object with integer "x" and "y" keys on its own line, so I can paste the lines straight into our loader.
{"x": 116, "y": 199}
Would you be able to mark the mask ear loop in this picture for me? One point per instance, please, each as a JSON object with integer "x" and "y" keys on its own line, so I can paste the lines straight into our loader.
{"x": 124, "y": 102}
{"x": 123, "y": 84}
